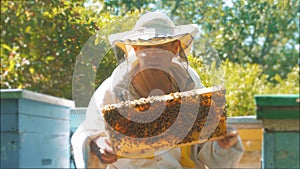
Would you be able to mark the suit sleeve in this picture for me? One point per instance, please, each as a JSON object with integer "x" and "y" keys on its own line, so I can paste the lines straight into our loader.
{"x": 92, "y": 128}
{"x": 213, "y": 156}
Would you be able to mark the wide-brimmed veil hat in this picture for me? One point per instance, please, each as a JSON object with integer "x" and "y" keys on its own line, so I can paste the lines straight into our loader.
{"x": 155, "y": 28}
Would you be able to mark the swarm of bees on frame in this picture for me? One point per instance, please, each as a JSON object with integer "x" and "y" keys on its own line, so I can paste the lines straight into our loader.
{"x": 160, "y": 122}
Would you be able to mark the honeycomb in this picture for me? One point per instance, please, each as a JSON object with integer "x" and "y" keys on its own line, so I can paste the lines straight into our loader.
{"x": 140, "y": 128}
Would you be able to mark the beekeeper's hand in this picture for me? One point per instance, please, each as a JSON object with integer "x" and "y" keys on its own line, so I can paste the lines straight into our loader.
{"x": 105, "y": 155}
{"x": 230, "y": 139}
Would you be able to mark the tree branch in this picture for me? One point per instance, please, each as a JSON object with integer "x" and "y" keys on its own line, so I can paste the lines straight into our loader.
{"x": 253, "y": 38}
{"x": 175, "y": 7}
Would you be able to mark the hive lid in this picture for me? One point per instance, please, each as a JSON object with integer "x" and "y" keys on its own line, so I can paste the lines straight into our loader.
{"x": 25, "y": 94}
{"x": 277, "y": 106}
{"x": 277, "y": 100}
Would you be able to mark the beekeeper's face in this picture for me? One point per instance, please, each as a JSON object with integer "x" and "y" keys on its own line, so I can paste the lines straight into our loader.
{"x": 157, "y": 56}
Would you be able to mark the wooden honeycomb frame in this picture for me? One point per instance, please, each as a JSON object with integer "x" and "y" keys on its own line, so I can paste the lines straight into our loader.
{"x": 137, "y": 128}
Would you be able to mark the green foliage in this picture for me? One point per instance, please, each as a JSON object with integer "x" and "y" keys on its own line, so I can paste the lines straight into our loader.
{"x": 39, "y": 42}
{"x": 122, "y": 7}
{"x": 289, "y": 85}
{"x": 243, "y": 81}
{"x": 198, "y": 65}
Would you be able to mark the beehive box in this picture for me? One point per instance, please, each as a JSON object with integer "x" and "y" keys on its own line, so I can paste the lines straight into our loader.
{"x": 143, "y": 127}
{"x": 280, "y": 117}
{"x": 34, "y": 130}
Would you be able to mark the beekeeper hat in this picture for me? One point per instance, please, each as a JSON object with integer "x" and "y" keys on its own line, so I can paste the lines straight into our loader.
{"x": 155, "y": 28}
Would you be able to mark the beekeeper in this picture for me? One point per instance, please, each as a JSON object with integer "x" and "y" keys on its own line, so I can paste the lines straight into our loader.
{"x": 152, "y": 62}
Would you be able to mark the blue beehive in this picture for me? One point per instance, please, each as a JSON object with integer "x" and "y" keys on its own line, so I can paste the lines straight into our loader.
{"x": 35, "y": 130}
{"x": 77, "y": 116}
{"x": 280, "y": 117}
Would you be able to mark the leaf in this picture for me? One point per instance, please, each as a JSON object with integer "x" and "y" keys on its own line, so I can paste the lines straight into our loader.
{"x": 31, "y": 70}
{"x": 20, "y": 86}
{"x": 47, "y": 14}
{"x": 11, "y": 65}
{"x": 277, "y": 78}
{"x": 27, "y": 30}
{"x": 6, "y": 47}
{"x": 50, "y": 58}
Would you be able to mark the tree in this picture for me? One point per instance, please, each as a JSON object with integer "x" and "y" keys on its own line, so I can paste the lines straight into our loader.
{"x": 39, "y": 42}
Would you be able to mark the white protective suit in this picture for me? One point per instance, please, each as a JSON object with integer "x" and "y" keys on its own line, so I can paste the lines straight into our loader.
{"x": 206, "y": 155}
